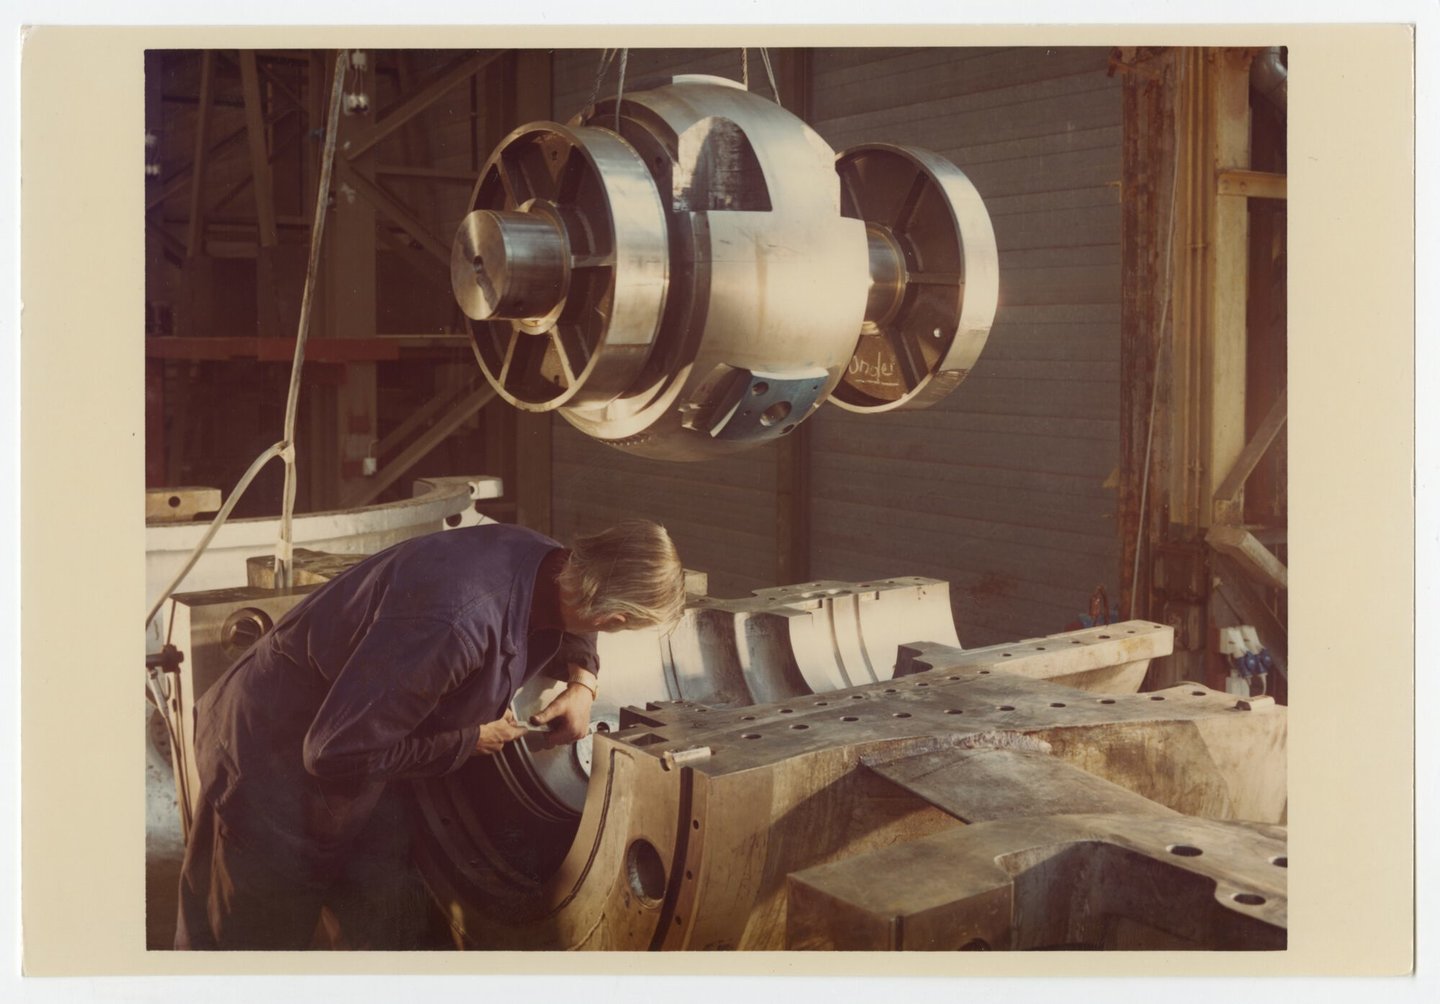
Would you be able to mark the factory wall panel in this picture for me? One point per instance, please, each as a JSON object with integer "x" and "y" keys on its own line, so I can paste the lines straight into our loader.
{"x": 1001, "y": 489}
{"x": 721, "y": 513}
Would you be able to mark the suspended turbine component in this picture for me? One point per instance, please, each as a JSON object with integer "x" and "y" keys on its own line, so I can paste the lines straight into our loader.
{"x": 562, "y": 265}
{"x": 691, "y": 272}
{"x": 934, "y": 277}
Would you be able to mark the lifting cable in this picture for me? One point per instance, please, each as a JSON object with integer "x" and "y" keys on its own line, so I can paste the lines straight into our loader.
{"x": 285, "y": 449}
{"x": 769, "y": 72}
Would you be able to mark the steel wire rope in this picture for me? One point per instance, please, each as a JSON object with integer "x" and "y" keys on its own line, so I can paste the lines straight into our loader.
{"x": 770, "y": 73}
{"x": 283, "y": 550}
{"x": 284, "y": 449}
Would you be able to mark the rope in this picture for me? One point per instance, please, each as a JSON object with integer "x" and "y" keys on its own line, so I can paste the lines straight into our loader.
{"x": 284, "y": 449}
{"x": 215, "y": 524}
{"x": 745, "y": 68}
{"x": 283, "y": 550}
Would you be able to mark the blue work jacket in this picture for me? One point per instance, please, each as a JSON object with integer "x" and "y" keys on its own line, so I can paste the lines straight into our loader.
{"x": 385, "y": 672}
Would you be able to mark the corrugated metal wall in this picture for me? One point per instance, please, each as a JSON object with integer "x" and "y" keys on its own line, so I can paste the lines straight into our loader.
{"x": 722, "y": 513}
{"x": 1000, "y": 489}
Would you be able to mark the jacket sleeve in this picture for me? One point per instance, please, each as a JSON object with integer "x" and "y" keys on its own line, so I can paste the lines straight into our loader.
{"x": 366, "y": 726}
{"x": 578, "y": 649}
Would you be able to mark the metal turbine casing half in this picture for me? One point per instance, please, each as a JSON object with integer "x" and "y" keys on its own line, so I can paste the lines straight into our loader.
{"x": 693, "y": 273}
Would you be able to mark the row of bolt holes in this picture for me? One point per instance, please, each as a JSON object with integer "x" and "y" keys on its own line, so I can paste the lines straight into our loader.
{"x": 1244, "y": 898}
{"x": 948, "y": 711}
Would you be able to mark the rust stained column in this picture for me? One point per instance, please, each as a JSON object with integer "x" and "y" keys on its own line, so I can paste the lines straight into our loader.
{"x": 1146, "y": 191}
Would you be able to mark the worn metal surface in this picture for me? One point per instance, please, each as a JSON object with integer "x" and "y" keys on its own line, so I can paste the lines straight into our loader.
{"x": 167, "y": 505}
{"x": 1085, "y": 881}
{"x": 696, "y": 815}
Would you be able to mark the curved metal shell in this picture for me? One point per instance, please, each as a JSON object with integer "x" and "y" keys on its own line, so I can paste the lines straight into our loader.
{"x": 599, "y": 323}
{"x": 924, "y": 210}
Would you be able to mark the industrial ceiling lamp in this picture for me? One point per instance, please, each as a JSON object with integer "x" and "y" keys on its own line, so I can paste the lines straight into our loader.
{"x": 694, "y": 271}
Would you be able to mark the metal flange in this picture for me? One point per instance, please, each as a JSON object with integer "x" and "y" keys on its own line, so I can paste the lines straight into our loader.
{"x": 934, "y": 277}
{"x": 562, "y": 266}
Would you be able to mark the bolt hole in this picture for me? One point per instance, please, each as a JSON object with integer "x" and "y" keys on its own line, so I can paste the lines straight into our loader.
{"x": 849, "y": 718}
{"x": 986, "y": 672}
{"x": 1105, "y": 636}
{"x": 787, "y": 711}
{"x": 922, "y": 684}
{"x": 775, "y": 414}
{"x": 1107, "y": 700}
{"x": 1004, "y": 655}
{"x": 1006, "y": 707}
{"x": 1056, "y": 704}
{"x": 1039, "y": 648}
{"x": 857, "y": 697}
{"x": 1157, "y": 697}
{"x": 173, "y": 501}
{"x": 901, "y": 714}
{"x": 645, "y": 871}
{"x": 751, "y": 735}
{"x": 1281, "y": 862}
{"x": 760, "y": 388}
{"x": 1248, "y": 898}
{"x": 821, "y": 704}
{"x": 747, "y": 718}
{"x": 891, "y": 690}
{"x": 1074, "y": 641}
{"x": 1197, "y": 693}
{"x": 695, "y": 824}
{"x": 453, "y": 520}
{"x": 952, "y": 677}
{"x": 799, "y": 725}
{"x": 1185, "y": 850}
{"x": 954, "y": 711}
{"x": 689, "y": 874}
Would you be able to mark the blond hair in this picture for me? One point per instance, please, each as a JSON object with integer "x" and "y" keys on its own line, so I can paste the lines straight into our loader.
{"x": 631, "y": 569}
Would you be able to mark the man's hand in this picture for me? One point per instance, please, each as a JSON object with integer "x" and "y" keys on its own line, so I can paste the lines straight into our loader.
{"x": 494, "y": 735}
{"x": 568, "y": 715}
